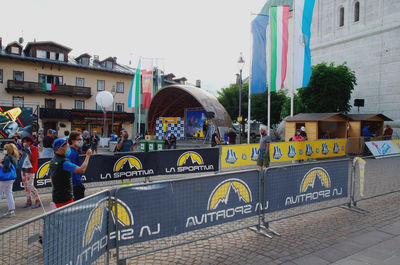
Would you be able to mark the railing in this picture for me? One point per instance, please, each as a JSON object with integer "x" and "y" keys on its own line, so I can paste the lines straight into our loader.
{"x": 34, "y": 87}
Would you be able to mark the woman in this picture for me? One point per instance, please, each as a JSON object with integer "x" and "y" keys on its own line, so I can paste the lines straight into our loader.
{"x": 8, "y": 174}
{"x": 29, "y": 166}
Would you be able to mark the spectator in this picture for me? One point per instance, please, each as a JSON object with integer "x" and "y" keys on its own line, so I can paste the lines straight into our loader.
{"x": 138, "y": 138}
{"x": 226, "y": 137}
{"x": 66, "y": 135}
{"x": 387, "y": 134}
{"x": 172, "y": 141}
{"x": 366, "y": 133}
{"x": 94, "y": 141}
{"x": 231, "y": 137}
{"x": 8, "y": 174}
{"x": 297, "y": 137}
{"x": 35, "y": 141}
{"x": 263, "y": 156}
{"x": 326, "y": 135}
{"x": 75, "y": 142}
{"x": 47, "y": 145}
{"x": 303, "y": 133}
{"x": 124, "y": 143}
{"x": 215, "y": 138}
{"x": 60, "y": 172}
{"x": 17, "y": 141}
{"x": 29, "y": 165}
{"x": 205, "y": 128}
{"x": 86, "y": 142}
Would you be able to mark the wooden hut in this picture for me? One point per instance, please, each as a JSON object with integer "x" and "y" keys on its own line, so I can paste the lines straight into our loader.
{"x": 317, "y": 124}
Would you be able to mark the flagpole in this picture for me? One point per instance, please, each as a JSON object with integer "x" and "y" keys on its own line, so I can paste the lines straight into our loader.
{"x": 293, "y": 35}
{"x": 249, "y": 99}
{"x": 140, "y": 107}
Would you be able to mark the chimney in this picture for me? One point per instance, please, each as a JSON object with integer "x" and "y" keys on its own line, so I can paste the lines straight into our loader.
{"x": 115, "y": 59}
{"x": 198, "y": 83}
{"x": 95, "y": 59}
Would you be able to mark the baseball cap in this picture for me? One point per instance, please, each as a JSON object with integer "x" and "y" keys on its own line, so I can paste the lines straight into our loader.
{"x": 58, "y": 143}
{"x": 303, "y": 128}
{"x": 54, "y": 131}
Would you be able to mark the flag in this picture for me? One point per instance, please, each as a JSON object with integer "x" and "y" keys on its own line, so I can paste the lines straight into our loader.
{"x": 48, "y": 87}
{"x": 147, "y": 76}
{"x": 259, "y": 58}
{"x": 279, "y": 16}
{"x": 301, "y": 46}
{"x": 133, "y": 100}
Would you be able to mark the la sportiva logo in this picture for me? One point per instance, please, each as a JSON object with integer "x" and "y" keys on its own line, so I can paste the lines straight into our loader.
{"x": 189, "y": 161}
{"x": 42, "y": 175}
{"x": 231, "y": 198}
{"x": 277, "y": 153}
{"x": 231, "y": 156}
{"x": 307, "y": 189}
{"x": 128, "y": 167}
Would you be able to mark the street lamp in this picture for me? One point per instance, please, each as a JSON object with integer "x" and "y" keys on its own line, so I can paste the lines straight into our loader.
{"x": 112, "y": 114}
{"x": 240, "y": 66}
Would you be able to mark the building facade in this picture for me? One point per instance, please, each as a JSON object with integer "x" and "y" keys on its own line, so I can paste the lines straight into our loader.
{"x": 62, "y": 90}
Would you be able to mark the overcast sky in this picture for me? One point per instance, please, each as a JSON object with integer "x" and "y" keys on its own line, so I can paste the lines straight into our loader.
{"x": 196, "y": 39}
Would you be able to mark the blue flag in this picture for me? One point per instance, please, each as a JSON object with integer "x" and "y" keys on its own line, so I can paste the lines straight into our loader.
{"x": 259, "y": 58}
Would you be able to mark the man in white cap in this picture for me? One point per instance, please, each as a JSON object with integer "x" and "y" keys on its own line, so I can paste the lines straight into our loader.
{"x": 263, "y": 156}
{"x": 303, "y": 133}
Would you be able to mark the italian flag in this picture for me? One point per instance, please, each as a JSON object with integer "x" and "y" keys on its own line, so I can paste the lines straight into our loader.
{"x": 279, "y": 18}
{"x": 133, "y": 100}
{"x": 48, "y": 87}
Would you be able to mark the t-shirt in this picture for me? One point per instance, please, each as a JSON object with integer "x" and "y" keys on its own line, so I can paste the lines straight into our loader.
{"x": 75, "y": 159}
{"x": 48, "y": 141}
{"x": 213, "y": 141}
{"x": 232, "y": 137}
{"x": 264, "y": 141}
{"x": 94, "y": 140}
{"x": 126, "y": 146}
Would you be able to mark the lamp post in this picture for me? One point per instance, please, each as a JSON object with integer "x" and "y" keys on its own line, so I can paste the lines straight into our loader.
{"x": 112, "y": 114}
{"x": 240, "y": 66}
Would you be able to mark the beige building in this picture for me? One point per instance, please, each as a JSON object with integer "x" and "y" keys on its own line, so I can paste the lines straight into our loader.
{"x": 62, "y": 90}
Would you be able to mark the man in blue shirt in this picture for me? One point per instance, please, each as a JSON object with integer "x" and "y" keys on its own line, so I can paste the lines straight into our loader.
{"x": 60, "y": 173}
{"x": 366, "y": 133}
{"x": 75, "y": 141}
{"x": 124, "y": 144}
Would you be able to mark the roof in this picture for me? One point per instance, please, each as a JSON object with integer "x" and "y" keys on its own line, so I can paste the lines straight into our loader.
{"x": 40, "y": 43}
{"x": 13, "y": 43}
{"x": 83, "y": 55}
{"x": 364, "y": 117}
{"x": 316, "y": 116}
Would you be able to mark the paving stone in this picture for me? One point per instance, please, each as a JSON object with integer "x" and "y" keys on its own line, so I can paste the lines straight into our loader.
{"x": 310, "y": 260}
{"x": 331, "y": 254}
{"x": 370, "y": 238}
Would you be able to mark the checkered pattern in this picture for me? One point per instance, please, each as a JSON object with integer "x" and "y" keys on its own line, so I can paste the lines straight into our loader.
{"x": 177, "y": 129}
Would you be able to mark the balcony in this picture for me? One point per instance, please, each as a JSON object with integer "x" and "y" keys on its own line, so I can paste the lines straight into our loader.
{"x": 75, "y": 114}
{"x": 34, "y": 87}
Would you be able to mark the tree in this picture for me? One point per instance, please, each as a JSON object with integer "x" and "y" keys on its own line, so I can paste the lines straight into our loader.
{"x": 329, "y": 89}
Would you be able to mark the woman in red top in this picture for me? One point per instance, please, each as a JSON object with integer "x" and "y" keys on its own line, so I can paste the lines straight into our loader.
{"x": 297, "y": 137}
{"x": 29, "y": 166}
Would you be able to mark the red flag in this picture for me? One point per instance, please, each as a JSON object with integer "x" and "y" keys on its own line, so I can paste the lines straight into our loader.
{"x": 147, "y": 81}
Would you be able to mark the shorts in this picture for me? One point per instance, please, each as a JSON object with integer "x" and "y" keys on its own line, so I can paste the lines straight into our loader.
{"x": 94, "y": 147}
{"x": 79, "y": 192}
{"x": 263, "y": 159}
{"x": 165, "y": 134}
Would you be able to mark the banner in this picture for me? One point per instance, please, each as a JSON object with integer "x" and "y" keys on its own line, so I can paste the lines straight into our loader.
{"x": 175, "y": 125}
{"x": 305, "y": 184}
{"x": 15, "y": 120}
{"x": 239, "y": 155}
{"x": 194, "y": 120}
{"x": 147, "y": 82}
{"x": 258, "y": 53}
{"x": 396, "y": 144}
{"x": 380, "y": 149}
{"x": 289, "y": 151}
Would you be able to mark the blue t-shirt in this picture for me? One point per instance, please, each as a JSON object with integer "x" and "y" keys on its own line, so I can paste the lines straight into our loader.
{"x": 75, "y": 159}
{"x": 68, "y": 166}
{"x": 126, "y": 146}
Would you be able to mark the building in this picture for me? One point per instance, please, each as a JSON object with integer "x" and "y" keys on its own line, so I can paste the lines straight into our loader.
{"x": 62, "y": 89}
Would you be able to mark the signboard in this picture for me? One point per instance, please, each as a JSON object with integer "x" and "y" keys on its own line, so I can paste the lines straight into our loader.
{"x": 380, "y": 149}
{"x": 194, "y": 120}
{"x": 239, "y": 155}
{"x": 288, "y": 151}
{"x": 15, "y": 120}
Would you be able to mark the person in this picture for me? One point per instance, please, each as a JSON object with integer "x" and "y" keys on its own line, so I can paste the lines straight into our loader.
{"x": 94, "y": 141}
{"x": 303, "y": 133}
{"x": 326, "y": 135}
{"x": 205, "y": 128}
{"x": 124, "y": 143}
{"x": 29, "y": 165}
{"x": 8, "y": 175}
{"x": 172, "y": 141}
{"x": 86, "y": 142}
{"x": 366, "y": 133}
{"x": 297, "y": 137}
{"x": 60, "y": 172}
{"x": 47, "y": 145}
{"x": 226, "y": 137}
{"x": 215, "y": 138}
{"x": 66, "y": 135}
{"x": 75, "y": 142}
{"x": 231, "y": 136}
{"x": 165, "y": 128}
{"x": 263, "y": 156}
{"x": 387, "y": 134}
{"x": 17, "y": 141}
{"x": 35, "y": 140}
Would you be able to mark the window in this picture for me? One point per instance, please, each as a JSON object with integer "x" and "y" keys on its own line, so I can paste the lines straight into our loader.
{"x": 18, "y": 101}
{"x": 41, "y": 54}
{"x": 79, "y": 104}
{"x": 80, "y": 81}
{"x": 84, "y": 61}
{"x": 100, "y": 85}
{"x": 50, "y": 79}
{"x": 15, "y": 50}
{"x": 1, "y": 75}
{"x": 119, "y": 107}
{"x": 357, "y": 11}
{"x": 61, "y": 56}
{"x": 18, "y": 76}
{"x": 50, "y": 103}
{"x": 120, "y": 87}
{"x": 341, "y": 17}
{"x": 109, "y": 65}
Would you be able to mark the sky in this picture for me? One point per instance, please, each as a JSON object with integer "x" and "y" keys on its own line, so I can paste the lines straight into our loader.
{"x": 192, "y": 39}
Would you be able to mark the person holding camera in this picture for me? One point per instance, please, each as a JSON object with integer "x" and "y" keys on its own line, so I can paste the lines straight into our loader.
{"x": 124, "y": 144}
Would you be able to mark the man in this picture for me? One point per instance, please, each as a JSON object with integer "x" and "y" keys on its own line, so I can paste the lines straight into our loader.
{"x": 60, "y": 173}
{"x": 231, "y": 136}
{"x": 387, "y": 135}
{"x": 94, "y": 141}
{"x": 303, "y": 133}
{"x": 47, "y": 145}
{"x": 215, "y": 138}
{"x": 263, "y": 156}
{"x": 366, "y": 133}
{"x": 172, "y": 141}
{"x": 124, "y": 144}
{"x": 75, "y": 142}
{"x": 165, "y": 128}
{"x": 66, "y": 135}
{"x": 86, "y": 142}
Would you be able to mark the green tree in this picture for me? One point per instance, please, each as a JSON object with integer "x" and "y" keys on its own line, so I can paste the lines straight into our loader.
{"x": 329, "y": 89}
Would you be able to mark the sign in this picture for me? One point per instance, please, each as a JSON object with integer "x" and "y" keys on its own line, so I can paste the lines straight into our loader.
{"x": 15, "y": 120}
{"x": 194, "y": 120}
{"x": 289, "y": 151}
{"x": 380, "y": 149}
{"x": 305, "y": 184}
{"x": 239, "y": 155}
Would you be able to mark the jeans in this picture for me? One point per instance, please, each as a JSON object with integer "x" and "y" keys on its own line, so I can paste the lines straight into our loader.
{"x": 6, "y": 187}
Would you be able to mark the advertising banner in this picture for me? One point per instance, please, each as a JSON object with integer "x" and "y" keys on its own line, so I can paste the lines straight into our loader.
{"x": 239, "y": 155}
{"x": 381, "y": 148}
{"x": 194, "y": 120}
{"x": 15, "y": 120}
{"x": 305, "y": 184}
{"x": 396, "y": 144}
{"x": 288, "y": 151}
